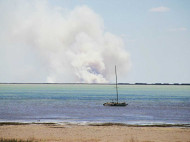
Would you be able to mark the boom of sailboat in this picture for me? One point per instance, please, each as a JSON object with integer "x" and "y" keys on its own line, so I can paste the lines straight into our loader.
{"x": 115, "y": 103}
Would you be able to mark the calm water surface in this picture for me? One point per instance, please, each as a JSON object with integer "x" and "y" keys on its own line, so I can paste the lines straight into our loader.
{"x": 81, "y": 103}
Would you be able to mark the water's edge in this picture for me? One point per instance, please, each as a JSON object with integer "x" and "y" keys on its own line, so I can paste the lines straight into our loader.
{"x": 97, "y": 124}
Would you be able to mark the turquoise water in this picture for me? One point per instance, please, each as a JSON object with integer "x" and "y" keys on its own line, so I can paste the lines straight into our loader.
{"x": 82, "y": 103}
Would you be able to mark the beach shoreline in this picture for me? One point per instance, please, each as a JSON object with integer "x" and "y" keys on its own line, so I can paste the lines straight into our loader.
{"x": 182, "y": 125}
{"x": 92, "y": 133}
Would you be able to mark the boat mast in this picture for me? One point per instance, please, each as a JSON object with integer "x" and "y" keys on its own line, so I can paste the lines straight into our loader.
{"x": 116, "y": 83}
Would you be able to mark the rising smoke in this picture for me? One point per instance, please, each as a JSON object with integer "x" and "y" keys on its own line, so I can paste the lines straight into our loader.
{"x": 57, "y": 45}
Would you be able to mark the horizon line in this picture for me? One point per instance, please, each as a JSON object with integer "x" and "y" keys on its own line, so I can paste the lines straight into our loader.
{"x": 138, "y": 83}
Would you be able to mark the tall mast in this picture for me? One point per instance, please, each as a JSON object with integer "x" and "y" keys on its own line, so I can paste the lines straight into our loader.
{"x": 116, "y": 83}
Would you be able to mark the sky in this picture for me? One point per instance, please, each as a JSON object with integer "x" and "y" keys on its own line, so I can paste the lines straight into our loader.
{"x": 81, "y": 41}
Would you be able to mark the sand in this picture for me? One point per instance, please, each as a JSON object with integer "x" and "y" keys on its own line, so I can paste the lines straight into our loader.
{"x": 75, "y": 133}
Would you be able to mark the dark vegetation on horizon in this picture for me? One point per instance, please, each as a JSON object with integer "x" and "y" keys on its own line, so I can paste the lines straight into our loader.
{"x": 110, "y": 83}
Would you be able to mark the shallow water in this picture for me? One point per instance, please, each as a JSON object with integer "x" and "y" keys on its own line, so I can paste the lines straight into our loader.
{"x": 82, "y": 103}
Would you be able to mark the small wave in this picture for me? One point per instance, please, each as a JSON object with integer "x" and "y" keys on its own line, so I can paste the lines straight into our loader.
{"x": 97, "y": 124}
{"x": 139, "y": 125}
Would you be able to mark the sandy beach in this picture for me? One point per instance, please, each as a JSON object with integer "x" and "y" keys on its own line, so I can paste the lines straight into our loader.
{"x": 76, "y": 133}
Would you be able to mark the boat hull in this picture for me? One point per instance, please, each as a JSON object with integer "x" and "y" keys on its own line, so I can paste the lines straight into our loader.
{"x": 115, "y": 104}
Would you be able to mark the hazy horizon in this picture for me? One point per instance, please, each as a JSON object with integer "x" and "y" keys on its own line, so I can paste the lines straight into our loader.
{"x": 162, "y": 83}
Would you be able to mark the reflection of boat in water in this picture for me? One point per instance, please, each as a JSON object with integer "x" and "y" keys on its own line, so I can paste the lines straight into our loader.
{"x": 115, "y": 103}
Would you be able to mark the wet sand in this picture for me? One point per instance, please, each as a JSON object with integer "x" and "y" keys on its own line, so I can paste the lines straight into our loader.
{"x": 76, "y": 133}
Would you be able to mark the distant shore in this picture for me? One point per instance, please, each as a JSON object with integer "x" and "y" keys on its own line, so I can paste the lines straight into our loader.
{"x": 99, "y": 133}
{"x": 109, "y": 83}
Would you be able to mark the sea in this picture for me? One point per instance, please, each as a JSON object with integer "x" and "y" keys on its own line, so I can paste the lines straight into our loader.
{"x": 82, "y": 104}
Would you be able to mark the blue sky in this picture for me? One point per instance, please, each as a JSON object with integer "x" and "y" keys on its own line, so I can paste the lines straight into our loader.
{"x": 156, "y": 35}
{"x": 158, "y": 42}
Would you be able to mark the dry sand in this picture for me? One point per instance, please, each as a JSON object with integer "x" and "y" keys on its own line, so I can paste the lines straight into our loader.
{"x": 75, "y": 133}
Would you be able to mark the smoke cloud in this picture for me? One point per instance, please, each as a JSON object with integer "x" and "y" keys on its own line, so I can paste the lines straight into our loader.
{"x": 41, "y": 43}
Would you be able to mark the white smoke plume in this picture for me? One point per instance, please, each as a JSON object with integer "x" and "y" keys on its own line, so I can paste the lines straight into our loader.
{"x": 41, "y": 43}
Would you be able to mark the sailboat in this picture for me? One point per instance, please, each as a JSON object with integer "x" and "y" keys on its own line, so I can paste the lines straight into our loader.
{"x": 115, "y": 103}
